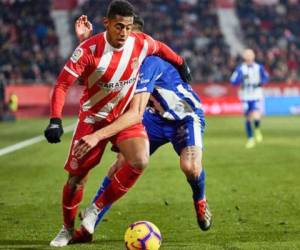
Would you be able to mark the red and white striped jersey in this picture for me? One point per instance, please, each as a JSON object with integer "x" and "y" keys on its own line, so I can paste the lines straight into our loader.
{"x": 109, "y": 74}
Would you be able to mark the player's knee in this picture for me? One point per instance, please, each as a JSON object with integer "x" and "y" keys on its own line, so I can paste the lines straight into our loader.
{"x": 76, "y": 182}
{"x": 140, "y": 162}
{"x": 256, "y": 115}
{"x": 191, "y": 169}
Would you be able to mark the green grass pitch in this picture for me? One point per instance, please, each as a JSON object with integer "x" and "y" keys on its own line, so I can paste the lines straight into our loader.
{"x": 254, "y": 194}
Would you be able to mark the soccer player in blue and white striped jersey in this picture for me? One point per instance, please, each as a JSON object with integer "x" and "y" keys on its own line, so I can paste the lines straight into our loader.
{"x": 251, "y": 76}
{"x": 174, "y": 115}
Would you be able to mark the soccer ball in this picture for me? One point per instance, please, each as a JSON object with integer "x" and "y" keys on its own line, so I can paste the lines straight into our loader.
{"x": 142, "y": 235}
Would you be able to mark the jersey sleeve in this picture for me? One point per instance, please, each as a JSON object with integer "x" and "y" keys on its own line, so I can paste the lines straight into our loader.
{"x": 150, "y": 72}
{"x": 236, "y": 77}
{"x": 78, "y": 62}
{"x": 162, "y": 50}
{"x": 75, "y": 66}
{"x": 264, "y": 76}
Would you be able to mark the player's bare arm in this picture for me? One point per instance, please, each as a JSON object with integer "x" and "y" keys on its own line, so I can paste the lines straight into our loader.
{"x": 133, "y": 116}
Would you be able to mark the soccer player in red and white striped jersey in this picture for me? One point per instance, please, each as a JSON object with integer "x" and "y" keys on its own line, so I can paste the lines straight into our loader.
{"x": 109, "y": 72}
{"x": 108, "y": 65}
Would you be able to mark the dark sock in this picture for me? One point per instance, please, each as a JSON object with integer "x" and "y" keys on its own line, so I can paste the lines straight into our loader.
{"x": 248, "y": 129}
{"x": 256, "y": 123}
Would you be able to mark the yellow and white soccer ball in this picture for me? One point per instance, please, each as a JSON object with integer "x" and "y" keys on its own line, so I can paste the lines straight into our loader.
{"x": 142, "y": 235}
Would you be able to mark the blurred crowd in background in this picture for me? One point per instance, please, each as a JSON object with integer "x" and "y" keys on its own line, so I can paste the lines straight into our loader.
{"x": 274, "y": 33}
{"x": 29, "y": 43}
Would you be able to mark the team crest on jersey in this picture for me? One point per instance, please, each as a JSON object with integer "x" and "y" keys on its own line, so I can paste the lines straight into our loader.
{"x": 74, "y": 164}
{"x": 134, "y": 63}
{"x": 76, "y": 55}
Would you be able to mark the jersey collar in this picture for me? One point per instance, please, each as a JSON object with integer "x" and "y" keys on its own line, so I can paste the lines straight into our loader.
{"x": 110, "y": 46}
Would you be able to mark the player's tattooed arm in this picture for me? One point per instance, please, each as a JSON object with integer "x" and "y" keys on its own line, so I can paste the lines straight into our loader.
{"x": 83, "y": 28}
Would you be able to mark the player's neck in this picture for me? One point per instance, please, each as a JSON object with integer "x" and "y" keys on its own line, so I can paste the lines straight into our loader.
{"x": 108, "y": 40}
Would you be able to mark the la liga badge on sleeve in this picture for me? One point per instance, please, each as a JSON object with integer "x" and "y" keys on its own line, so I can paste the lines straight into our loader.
{"x": 76, "y": 55}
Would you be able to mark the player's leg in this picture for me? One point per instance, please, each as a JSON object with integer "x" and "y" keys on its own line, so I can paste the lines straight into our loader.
{"x": 190, "y": 163}
{"x": 73, "y": 188}
{"x": 247, "y": 105}
{"x": 187, "y": 142}
{"x": 81, "y": 235}
{"x": 256, "y": 117}
{"x": 154, "y": 127}
{"x": 134, "y": 146}
{"x": 136, "y": 154}
{"x": 105, "y": 182}
{"x": 72, "y": 196}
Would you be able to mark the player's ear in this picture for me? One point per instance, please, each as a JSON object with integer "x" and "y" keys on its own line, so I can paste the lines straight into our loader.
{"x": 105, "y": 22}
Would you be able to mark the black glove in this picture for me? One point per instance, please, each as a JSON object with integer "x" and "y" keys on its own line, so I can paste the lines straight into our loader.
{"x": 54, "y": 130}
{"x": 185, "y": 72}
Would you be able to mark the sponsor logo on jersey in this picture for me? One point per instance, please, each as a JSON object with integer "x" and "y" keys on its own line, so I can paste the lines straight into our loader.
{"x": 144, "y": 81}
{"x": 76, "y": 55}
{"x": 116, "y": 86}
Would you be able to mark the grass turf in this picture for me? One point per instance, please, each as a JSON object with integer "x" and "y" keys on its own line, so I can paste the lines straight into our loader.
{"x": 254, "y": 194}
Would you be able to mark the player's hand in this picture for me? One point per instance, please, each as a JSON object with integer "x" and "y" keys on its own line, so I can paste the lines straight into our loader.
{"x": 83, "y": 28}
{"x": 85, "y": 144}
{"x": 54, "y": 130}
{"x": 185, "y": 72}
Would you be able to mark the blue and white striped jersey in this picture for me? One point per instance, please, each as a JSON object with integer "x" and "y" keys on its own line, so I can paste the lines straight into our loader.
{"x": 172, "y": 98}
{"x": 251, "y": 78}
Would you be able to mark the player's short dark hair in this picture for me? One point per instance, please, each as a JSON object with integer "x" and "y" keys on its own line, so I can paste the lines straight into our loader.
{"x": 137, "y": 20}
{"x": 120, "y": 7}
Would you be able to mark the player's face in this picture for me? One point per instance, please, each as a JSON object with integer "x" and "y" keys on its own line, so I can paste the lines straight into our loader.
{"x": 118, "y": 30}
{"x": 249, "y": 56}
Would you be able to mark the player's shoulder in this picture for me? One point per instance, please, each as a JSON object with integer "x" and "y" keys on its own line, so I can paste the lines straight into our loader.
{"x": 92, "y": 41}
{"x": 142, "y": 37}
{"x": 239, "y": 67}
{"x": 139, "y": 35}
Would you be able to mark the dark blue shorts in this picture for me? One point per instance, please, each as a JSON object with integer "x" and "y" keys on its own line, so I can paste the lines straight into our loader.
{"x": 250, "y": 106}
{"x": 183, "y": 133}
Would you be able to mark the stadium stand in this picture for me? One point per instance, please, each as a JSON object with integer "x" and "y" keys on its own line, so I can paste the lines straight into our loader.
{"x": 274, "y": 33}
{"x": 188, "y": 26}
{"x": 30, "y": 51}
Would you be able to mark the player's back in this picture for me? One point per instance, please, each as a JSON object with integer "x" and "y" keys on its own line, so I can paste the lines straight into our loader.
{"x": 171, "y": 97}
